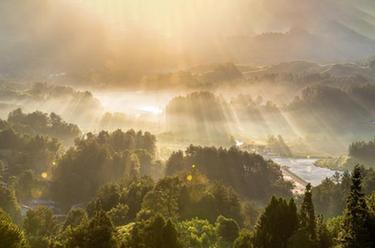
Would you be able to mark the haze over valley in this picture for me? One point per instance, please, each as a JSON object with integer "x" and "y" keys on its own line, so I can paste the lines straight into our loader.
{"x": 187, "y": 124}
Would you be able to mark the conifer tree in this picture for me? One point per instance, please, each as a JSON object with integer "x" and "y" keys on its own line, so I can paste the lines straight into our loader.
{"x": 356, "y": 226}
{"x": 307, "y": 214}
{"x": 277, "y": 224}
{"x": 170, "y": 238}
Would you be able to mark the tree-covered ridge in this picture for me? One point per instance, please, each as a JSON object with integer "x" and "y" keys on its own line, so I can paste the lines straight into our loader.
{"x": 332, "y": 108}
{"x": 174, "y": 198}
{"x": 315, "y": 112}
{"x": 249, "y": 174}
{"x": 74, "y": 106}
{"x": 97, "y": 159}
{"x": 329, "y": 197}
{"x": 21, "y": 152}
{"x": 39, "y": 123}
{"x": 210, "y": 197}
{"x": 364, "y": 152}
{"x": 359, "y": 152}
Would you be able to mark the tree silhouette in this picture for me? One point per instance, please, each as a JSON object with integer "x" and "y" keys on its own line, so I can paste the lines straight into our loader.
{"x": 277, "y": 224}
{"x": 356, "y": 226}
{"x": 307, "y": 214}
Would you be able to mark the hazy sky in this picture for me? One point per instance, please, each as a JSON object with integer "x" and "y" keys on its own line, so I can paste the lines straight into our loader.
{"x": 120, "y": 37}
{"x": 234, "y": 17}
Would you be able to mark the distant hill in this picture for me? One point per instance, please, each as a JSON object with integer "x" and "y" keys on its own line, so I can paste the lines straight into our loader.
{"x": 330, "y": 44}
{"x": 304, "y": 73}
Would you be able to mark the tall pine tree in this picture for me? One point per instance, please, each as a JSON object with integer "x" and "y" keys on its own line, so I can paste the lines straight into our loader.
{"x": 276, "y": 225}
{"x": 307, "y": 214}
{"x": 356, "y": 226}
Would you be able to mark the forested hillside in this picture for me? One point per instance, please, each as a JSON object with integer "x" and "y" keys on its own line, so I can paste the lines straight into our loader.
{"x": 109, "y": 190}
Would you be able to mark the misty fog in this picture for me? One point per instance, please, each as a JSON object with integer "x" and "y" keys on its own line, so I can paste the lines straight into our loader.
{"x": 187, "y": 123}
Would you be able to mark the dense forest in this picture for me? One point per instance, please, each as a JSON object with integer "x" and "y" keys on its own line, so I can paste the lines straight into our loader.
{"x": 110, "y": 190}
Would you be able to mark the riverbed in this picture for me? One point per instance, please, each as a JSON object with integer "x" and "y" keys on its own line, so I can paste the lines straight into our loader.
{"x": 305, "y": 169}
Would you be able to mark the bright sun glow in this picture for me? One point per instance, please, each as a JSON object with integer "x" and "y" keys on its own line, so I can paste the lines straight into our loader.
{"x": 151, "y": 109}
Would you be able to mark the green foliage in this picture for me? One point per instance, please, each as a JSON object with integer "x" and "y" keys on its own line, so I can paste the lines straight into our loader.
{"x": 175, "y": 163}
{"x": 8, "y": 202}
{"x": 75, "y": 217}
{"x": 165, "y": 197}
{"x": 96, "y": 160}
{"x": 227, "y": 231}
{"x": 79, "y": 232}
{"x": 39, "y": 225}
{"x": 370, "y": 201}
{"x": 108, "y": 196}
{"x": 74, "y": 236}
{"x": 197, "y": 233}
{"x": 306, "y": 235}
{"x": 23, "y": 152}
{"x": 38, "y": 123}
{"x": 248, "y": 174}
{"x": 100, "y": 232}
{"x": 134, "y": 194}
{"x": 116, "y": 199}
{"x": 209, "y": 200}
{"x": 119, "y": 215}
{"x": 276, "y": 225}
{"x": 244, "y": 240}
{"x": 334, "y": 226}
{"x": 363, "y": 151}
{"x": 301, "y": 238}
{"x": 25, "y": 183}
{"x": 312, "y": 231}
{"x": 80, "y": 173}
{"x": 356, "y": 224}
{"x": 330, "y": 196}
{"x": 324, "y": 236}
{"x": 154, "y": 232}
{"x": 225, "y": 202}
{"x": 11, "y": 236}
{"x": 128, "y": 210}
{"x": 183, "y": 199}
{"x": 307, "y": 214}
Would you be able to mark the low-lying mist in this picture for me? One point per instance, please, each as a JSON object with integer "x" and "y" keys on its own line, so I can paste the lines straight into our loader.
{"x": 312, "y": 109}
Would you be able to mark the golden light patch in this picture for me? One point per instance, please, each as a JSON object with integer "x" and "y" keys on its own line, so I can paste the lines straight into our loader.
{"x": 189, "y": 178}
{"x": 193, "y": 166}
{"x": 44, "y": 175}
